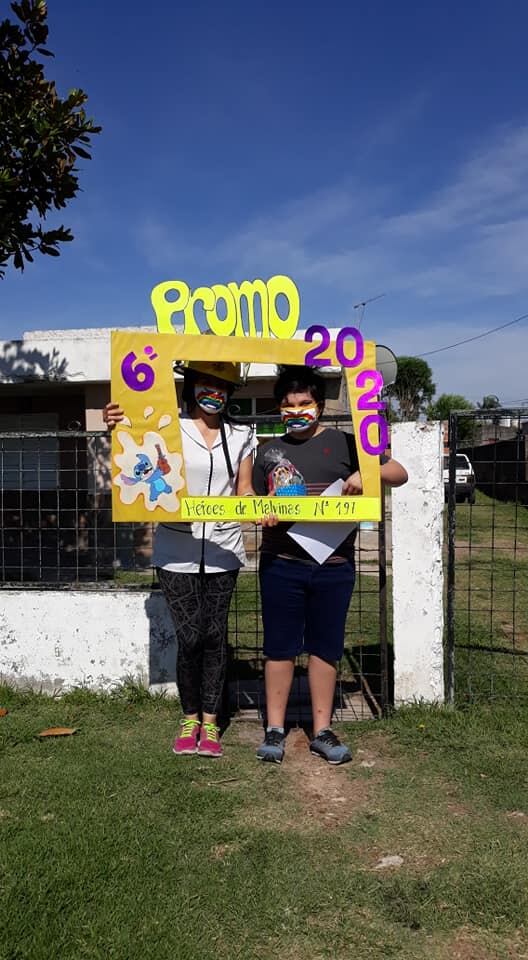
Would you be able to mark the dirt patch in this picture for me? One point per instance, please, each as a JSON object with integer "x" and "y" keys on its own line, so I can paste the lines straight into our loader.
{"x": 483, "y": 539}
{"x": 326, "y": 795}
{"x": 458, "y": 810}
{"x": 468, "y": 946}
{"x": 464, "y": 949}
{"x": 246, "y": 732}
{"x": 511, "y": 632}
{"x": 222, "y": 851}
{"x": 311, "y": 793}
{"x": 518, "y": 816}
{"x": 377, "y": 752}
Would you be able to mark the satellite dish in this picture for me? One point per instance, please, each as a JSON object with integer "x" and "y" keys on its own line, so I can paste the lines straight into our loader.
{"x": 386, "y": 363}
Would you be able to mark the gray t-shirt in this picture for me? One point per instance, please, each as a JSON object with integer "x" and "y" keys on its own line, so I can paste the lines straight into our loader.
{"x": 287, "y": 466}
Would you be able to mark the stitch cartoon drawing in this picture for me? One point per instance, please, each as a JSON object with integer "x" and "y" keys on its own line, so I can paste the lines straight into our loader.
{"x": 145, "y": 472}
{"x": 149, "y": 471}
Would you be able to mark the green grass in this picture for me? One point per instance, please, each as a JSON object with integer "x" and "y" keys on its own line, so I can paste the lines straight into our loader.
{"x": 111, "y": 847}
{"x": 492, "y": 518}
{"x": 135, "y": 578}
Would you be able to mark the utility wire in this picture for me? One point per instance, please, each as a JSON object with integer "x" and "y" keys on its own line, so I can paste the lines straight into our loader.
{"x": 479, "y": 336}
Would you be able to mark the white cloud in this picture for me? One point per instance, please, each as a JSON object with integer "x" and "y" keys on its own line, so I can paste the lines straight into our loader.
{"x": 162, "y": 246}
{"x": 467, "y": 242}
{"x": 488, "y": 185}
{"x": 452, "y": 265}
{"x": 495, "y": 365}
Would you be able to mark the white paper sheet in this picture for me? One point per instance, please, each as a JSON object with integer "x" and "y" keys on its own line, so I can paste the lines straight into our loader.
{"x": 321, "y": 539}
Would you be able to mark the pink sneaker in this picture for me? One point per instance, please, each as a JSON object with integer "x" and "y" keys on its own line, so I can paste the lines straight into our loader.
{"x": 187, "y": 739}
{"x": 210, "y": 745}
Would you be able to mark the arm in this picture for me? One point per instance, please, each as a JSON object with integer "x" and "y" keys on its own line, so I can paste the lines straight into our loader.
{"x": 392, "y": 474}
{"x": 112, "y": 415}
{"x": 244, "y": 482}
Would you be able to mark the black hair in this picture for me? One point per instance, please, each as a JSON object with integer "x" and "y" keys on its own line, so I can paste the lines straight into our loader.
{"x": 190, "y": 379}
{"x": 293, "y": 379}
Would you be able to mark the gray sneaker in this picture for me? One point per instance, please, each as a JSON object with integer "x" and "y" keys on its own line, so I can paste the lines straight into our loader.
{"x": 272, "y": 747}
{"x": 326, "y": 745}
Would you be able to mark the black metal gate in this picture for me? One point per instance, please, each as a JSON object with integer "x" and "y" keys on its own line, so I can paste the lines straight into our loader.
{"x": 487, "y": 555}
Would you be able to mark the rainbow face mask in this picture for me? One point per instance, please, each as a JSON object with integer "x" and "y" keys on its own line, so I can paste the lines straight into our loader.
{"x": 299, "y": 418}
{"x": 210, "y": 399}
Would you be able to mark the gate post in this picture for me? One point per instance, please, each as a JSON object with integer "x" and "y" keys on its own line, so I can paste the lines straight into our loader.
{"x": 451, "y": 533}
{"x": 417, "y": 539}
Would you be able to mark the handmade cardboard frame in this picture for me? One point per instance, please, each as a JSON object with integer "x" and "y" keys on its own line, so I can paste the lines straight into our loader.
{"x": 151, "y": 410}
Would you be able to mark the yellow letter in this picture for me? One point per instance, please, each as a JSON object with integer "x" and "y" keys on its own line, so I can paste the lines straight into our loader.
{"x": 206, "y": 295}
{"x": 223, "y": 328}
{"x": 164, "y": 308}
{"x": 249, "y": 291}
{"x": 283, "y": 329}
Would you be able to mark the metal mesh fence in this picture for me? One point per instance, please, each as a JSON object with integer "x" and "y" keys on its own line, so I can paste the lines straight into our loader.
{"x": 487, "y": 621}
{"x": 56, "y": 514}
{"x": 56, "y": 531}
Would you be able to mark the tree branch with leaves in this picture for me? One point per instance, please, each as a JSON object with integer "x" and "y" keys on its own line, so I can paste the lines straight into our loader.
{"x": 446, "y": 404}
{"x": 41, "y": 138}
{"x": 413, "y": 388}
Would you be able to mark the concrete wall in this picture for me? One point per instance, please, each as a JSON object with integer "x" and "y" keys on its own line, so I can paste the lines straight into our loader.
{"x": 54, "y": 639}
{"x": 417, "y": 538}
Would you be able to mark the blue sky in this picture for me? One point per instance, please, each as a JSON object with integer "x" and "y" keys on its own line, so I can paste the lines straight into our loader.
{"x": 358, "y": 148}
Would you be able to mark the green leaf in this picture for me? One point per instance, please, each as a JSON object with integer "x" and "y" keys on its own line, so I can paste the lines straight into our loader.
{"x": 82, "y": 153}
{"x": 43, "y": 134}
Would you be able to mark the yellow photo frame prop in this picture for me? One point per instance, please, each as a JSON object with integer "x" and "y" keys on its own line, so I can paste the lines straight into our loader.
{"x": 148, "y": 469}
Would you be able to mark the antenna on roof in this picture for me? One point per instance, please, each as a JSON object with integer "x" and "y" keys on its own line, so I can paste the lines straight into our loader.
{"x": 363, "y": 303}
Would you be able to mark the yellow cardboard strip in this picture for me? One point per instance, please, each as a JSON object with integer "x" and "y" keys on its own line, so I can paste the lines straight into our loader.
{"x": 247, "y": 509}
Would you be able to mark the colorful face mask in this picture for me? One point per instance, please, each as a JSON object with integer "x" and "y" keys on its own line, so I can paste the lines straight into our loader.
{"x": 210, "y": 399}
{"x": 299, "y": 418}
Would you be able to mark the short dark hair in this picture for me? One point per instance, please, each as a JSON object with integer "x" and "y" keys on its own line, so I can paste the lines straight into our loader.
{"x": 293, "y": 379}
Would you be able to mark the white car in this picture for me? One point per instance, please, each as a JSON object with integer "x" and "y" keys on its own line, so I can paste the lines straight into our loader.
{"x": 464, "y": 479}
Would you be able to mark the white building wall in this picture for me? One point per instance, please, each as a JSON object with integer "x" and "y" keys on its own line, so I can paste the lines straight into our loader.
{"x": 80, "y": 356}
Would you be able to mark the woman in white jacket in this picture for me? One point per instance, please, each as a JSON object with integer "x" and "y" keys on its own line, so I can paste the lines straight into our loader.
{"x": 198, "y": 563}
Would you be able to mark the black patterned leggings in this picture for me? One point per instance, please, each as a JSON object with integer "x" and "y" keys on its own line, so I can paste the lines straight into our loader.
{"x": 199, "y": 604}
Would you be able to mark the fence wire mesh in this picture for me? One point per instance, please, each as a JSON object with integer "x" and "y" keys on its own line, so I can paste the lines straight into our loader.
{"x": 56, "y": 514}
{"x": 487, "y": 621}
{"x": 56, "y": 531}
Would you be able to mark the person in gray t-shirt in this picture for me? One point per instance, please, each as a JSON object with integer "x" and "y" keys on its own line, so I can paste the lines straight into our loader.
{"x": 305, "y": 604}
